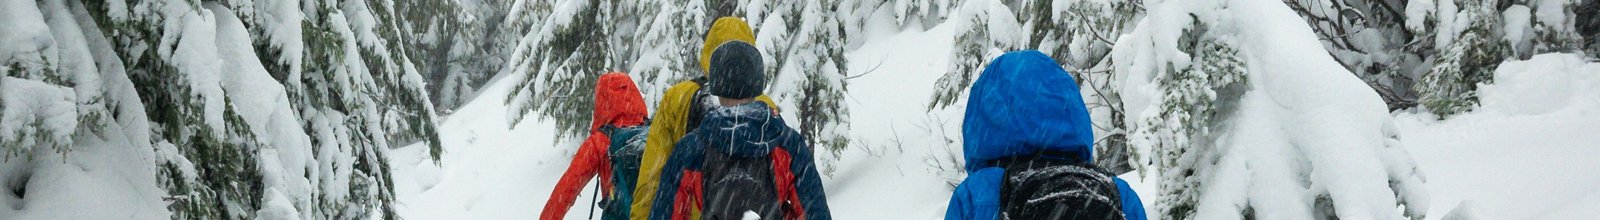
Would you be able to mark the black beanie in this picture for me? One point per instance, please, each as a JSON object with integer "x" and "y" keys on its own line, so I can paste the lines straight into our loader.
{"x": 736, "y": 71}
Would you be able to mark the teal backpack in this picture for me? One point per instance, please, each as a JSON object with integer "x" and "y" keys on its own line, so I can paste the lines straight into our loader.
{"x": 625, "y": 151}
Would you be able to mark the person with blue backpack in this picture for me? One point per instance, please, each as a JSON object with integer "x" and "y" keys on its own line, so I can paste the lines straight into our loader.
{"x": 612, "y": 151}
{"x": 1029, "y": 149}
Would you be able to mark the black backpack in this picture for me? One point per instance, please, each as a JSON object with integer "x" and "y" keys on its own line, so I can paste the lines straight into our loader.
{"x": 1057, "y": 185}
{"x": 734, "y": 185}
{"x": 625, "y": 151}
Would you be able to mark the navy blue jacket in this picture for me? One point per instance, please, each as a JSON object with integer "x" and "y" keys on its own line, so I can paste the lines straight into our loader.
{"x": 748, "y": 130}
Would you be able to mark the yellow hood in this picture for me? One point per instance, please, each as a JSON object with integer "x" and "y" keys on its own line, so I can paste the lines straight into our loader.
{"x": 725, "y": 29}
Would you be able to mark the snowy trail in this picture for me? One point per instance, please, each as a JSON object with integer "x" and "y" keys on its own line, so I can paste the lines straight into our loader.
{"x": 900, "y": 166}
{"x": 886, "y": 175}
{"x": 490, "y": 172}
{"x": 1512, "y": 162}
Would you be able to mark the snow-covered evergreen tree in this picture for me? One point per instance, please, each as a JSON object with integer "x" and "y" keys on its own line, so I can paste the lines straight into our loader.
{"x": 563, "y": 57}
{"x": 1230, "y": 103}
{"x": 452, "y": 43}
{"x": 928, "y": 12}
{"x": 244, "y": 109}
{"x": 65, "y": 102}
{"x": 984, "y": 29}
{"x": 855, "y": 16}
{"x": 1078, "y": 34}
{"x": 575, "y": 41}
{"x": 669, "y": 46}
{"x": 197, "y": 130}
{"x": 485, "y": 36}
{"x": 1588, "y": 26}
{"x": 803, "y": 45}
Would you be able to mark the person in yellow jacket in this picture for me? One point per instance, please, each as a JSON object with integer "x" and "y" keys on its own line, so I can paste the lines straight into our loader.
{"x": 680, "y": 111}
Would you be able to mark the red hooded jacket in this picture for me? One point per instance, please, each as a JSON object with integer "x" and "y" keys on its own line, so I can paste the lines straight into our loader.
{"x": 617, "y": 103}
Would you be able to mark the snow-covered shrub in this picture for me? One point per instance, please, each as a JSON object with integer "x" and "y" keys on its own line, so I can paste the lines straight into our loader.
{"x": 34, "y": 115}
{"x": 1245, "y": 116}
{"x": 1179, "y": 129}
{"x": 1450, "y": 87}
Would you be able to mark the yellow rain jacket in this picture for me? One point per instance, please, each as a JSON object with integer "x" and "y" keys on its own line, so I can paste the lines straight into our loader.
{"x": 669, "y": 123}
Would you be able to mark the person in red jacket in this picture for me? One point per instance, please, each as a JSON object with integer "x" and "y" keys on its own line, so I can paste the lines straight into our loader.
{"x": 617, "y": 103}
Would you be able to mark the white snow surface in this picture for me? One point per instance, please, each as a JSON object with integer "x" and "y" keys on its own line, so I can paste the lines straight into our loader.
{"x": 1527, "y": 152}
{"x": 908, "y": 157}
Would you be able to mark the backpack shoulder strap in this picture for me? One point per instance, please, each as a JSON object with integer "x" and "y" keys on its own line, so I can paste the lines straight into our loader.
{"x": 608, "y": 130}
{"x": 697, "y": 107}
{"x": 784, "y": 181}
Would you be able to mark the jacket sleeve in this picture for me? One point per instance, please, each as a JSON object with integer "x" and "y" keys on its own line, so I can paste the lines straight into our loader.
{"x": 978, "y": 197}
{"x": 590, "y": 161}
{"x": 665, "y": 130}
{"x": 1132, "y": 207}
{"x": 672, "y": 174}
{"x": 960, "y": 202}
{"x": 808, "y": 182}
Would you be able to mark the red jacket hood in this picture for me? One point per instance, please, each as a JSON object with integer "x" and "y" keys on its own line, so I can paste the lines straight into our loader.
{"x": 617, "y": 102}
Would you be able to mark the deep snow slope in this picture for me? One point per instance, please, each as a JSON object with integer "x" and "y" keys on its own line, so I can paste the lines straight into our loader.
{"x": 1528, "y": 152}
{"x": 487, "y": 171}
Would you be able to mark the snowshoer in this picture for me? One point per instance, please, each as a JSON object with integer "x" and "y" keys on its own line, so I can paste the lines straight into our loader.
{"x": 743, "y": 158}
{"x": 1029, "y": 149}
{"x": 612, "y": 150}
{"x": 682, "y": 109}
